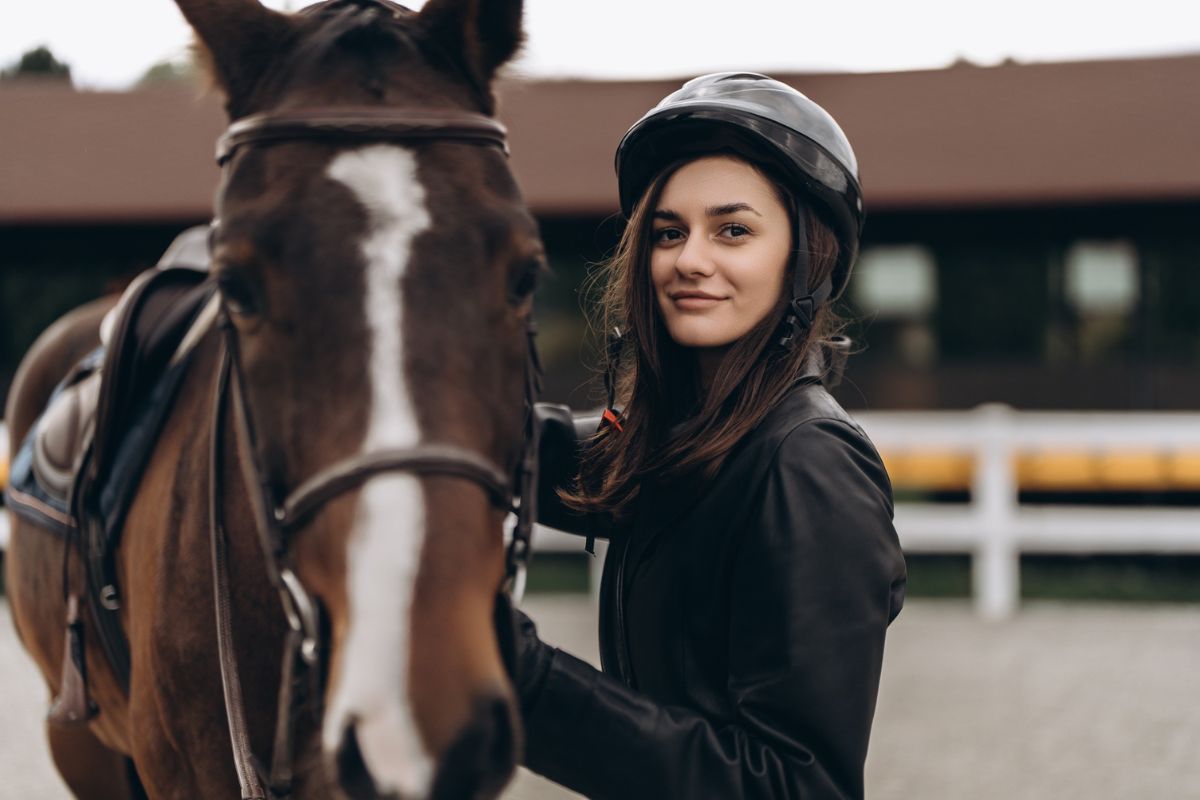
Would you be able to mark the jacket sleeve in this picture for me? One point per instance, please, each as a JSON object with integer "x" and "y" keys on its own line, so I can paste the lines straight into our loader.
{"x": 816, "y": 579}
{"x": 561, "y": 434}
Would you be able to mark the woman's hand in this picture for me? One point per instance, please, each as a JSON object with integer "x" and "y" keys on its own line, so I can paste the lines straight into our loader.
{"x": 532, "y": 662}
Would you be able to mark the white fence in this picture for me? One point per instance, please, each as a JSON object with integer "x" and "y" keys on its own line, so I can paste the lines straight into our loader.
{"x": 993, "y": 527}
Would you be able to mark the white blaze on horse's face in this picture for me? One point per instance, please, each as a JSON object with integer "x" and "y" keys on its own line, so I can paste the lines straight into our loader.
{"x": 385, "y": 545}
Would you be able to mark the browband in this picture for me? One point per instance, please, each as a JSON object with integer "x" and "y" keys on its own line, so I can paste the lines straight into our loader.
{"x": 361, "y": 122}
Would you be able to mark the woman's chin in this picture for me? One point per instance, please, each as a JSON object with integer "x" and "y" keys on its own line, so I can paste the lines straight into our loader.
{"x": 701, "y": 339}
{"x": 701, "y": 336}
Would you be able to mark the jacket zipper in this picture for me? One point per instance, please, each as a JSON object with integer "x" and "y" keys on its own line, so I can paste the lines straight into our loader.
{"x": 622, "y": 641}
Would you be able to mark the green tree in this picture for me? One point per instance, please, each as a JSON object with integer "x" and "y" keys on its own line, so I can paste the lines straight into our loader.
{"x": 38, "y": 63}
{"x": 166, "y": 72}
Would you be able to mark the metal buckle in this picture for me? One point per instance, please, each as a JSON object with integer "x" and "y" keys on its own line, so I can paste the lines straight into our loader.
{"x": 301, "y": 614}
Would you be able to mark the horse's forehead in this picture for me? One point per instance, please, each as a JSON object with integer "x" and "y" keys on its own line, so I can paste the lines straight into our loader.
{"x": 472, "y": 201}
{"x": 307, "y": 209}
{"x": 383, "y": 178}
{"x": 385, "y": 184}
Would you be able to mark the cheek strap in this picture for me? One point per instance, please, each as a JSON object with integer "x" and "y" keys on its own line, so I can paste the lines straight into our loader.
{"x": 611, "y": 416}
{"x": 802, "y": 308}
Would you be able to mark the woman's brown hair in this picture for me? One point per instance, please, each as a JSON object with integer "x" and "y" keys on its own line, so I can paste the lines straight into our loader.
{"x": 671, "y": 428}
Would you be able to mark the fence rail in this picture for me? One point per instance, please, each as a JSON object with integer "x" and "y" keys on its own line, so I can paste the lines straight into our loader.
{"x": 993, "y": 527}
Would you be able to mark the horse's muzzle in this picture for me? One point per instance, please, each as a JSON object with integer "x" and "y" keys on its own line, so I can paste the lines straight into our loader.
{"x": 481, "y": 761}
{"x": 478, "y": 764}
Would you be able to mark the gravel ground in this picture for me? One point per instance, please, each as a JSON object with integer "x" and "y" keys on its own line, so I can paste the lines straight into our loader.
{"x": 26, "y": 771}
{"x": 1063, "y": 701}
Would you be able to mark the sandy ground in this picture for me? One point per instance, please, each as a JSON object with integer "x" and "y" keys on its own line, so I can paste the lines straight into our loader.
{"x": 1063, "y": 701}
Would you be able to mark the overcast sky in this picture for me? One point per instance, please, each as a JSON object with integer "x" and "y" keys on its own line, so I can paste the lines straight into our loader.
{"x": 110, "y": 43}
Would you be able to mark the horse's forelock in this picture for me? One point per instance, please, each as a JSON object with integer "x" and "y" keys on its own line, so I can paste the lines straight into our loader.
{"x": 343, "y": 26}
{"x": 379, "y": 47}
{"x": 320, "y": 34}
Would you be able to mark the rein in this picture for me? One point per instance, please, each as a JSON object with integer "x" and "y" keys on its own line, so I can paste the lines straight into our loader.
{"x": 276, "y": 518}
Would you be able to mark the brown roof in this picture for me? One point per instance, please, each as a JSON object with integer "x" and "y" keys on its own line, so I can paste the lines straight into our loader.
{"x": 1017, "y": 134}
{"x": 105, "y": 157}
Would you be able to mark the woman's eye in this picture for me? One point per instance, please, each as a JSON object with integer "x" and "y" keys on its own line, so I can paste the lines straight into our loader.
{"x": 667, "y": 235}
{"x": 737, "y": 231}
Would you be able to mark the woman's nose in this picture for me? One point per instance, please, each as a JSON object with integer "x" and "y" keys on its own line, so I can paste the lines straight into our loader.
{"x": 695, "y": 258}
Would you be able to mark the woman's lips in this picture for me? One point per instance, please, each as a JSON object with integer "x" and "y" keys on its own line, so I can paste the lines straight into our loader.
{"x": 694, "y": 301}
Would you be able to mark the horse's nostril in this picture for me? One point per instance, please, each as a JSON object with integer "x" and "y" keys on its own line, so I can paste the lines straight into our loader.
{"x": 482, "y": 759}
{"x": 502, "y": 752}
{"x": 352, "y": 773}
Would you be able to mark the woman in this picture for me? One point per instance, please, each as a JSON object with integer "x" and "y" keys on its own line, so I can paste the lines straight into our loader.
{"x": 753, "y": 567}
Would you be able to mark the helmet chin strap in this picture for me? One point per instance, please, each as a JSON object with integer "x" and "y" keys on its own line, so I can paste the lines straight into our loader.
{"x": 802, "y": 309}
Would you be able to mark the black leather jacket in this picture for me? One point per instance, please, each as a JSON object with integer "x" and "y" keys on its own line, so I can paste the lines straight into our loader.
{"x": 741, "y": 623}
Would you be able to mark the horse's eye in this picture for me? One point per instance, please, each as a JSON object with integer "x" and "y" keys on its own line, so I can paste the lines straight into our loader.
{"x": 238, "y": 296}
{"x": 525, "y": 275}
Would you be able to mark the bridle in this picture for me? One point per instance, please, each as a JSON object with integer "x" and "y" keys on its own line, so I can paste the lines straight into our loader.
{"x": 278, "y": 516}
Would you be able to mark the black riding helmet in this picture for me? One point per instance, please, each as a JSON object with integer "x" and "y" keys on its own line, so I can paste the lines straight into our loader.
{"x": 768, "y": 122}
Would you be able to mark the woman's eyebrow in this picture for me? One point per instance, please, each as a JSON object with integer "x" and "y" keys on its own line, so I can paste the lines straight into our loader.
{"x": 729, "y": 208}
{"x": 711, "y": 211}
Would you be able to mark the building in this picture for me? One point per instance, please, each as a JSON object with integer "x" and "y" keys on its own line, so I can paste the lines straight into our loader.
{"x": 1031, "y": 234}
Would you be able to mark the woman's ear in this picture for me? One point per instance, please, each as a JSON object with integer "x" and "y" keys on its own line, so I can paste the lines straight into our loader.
{"x": 487, "y": 33}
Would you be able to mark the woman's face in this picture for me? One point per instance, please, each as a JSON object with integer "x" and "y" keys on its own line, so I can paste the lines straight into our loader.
{"x": 720, "y": 246}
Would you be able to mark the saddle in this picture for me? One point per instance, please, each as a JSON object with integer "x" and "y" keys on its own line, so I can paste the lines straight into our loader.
{"x": 105, "y": 398}
{"x": 80, "y": 465}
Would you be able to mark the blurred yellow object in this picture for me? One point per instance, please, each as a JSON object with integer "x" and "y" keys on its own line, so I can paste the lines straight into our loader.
{"x": 1133, "y": 470}
{"x": 1056, "y": 470}
{"x": 3, "y": 471}
{"x": 930, "y": 469}
{"x": 1183, "y": 470}
{"x": 1051, "y": 470}
{"x": 891, "y": 462}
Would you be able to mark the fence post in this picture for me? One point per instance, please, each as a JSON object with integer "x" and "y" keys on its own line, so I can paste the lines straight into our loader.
{"x": 995, "y": 567}
{"x": 596, "y": 569}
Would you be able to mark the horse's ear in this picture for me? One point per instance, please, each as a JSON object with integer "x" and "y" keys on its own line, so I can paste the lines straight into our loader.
{"x": 239, "y": 38}
{"x": 486, "y": 32}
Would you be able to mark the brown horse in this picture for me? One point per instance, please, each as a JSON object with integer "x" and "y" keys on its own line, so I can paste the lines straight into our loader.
{"x": 376, "y": 291}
